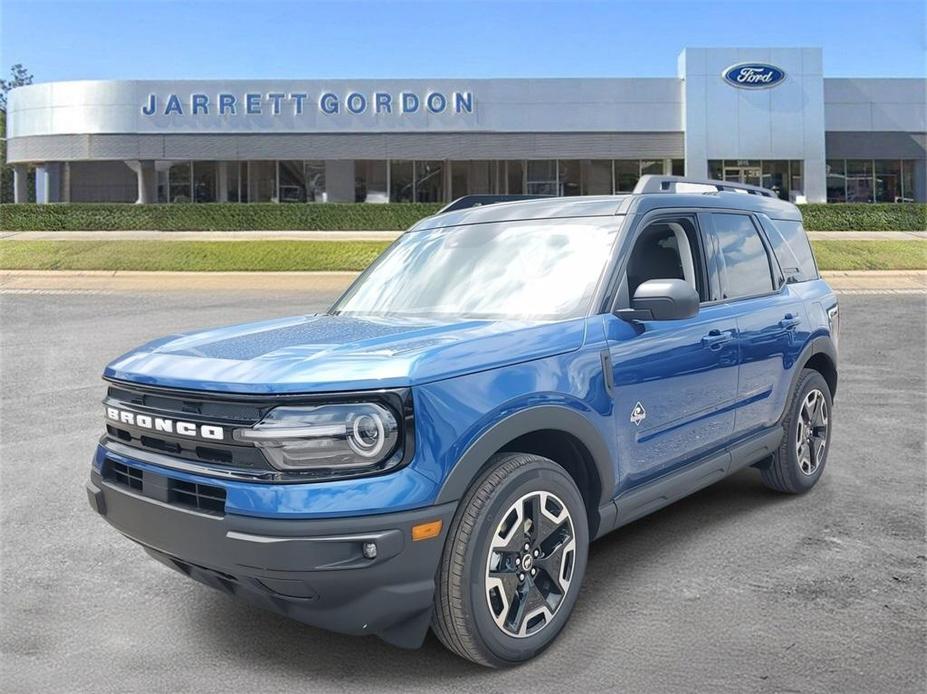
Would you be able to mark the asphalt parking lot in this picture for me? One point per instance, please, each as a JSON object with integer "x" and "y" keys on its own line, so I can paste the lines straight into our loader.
{"x": 734, "y": 589}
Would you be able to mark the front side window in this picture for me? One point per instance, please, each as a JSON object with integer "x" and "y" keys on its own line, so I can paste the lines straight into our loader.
{"x": 746, "y": 264}
{"x": 531, "y": 270}
{"x": 667, "y": 249}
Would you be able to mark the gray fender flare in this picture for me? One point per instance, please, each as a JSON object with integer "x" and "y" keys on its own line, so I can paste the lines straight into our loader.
{"x": 552, "y": 417}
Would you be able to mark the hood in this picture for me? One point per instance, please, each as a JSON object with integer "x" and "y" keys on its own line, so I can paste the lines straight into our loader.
{"x": 336, "y": 352}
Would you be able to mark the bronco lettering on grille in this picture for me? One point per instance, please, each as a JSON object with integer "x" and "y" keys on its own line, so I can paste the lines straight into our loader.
{"x": 170, "y": 426}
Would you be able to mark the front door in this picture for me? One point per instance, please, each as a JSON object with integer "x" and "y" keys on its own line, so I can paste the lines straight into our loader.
{"x": 675, "y": 382}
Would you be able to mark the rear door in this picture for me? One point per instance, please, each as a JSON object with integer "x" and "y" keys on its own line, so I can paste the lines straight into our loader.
{"x": 771, "y": 319}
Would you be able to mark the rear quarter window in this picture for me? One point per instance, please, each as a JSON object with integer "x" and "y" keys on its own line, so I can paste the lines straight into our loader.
{"x": 791, "y": 246}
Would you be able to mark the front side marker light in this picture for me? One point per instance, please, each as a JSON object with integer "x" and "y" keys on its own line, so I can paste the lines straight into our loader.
{"x": 426, "y": 531}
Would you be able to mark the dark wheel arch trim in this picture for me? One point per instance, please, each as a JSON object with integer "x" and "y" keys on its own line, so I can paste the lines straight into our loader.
{"x": 527, "y": 421}
{"x": 822, "y": 344}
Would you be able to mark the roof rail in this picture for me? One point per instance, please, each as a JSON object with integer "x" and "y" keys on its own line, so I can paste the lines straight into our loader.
{"x": 672, "y": 184}
{"x": 468, "y": 201}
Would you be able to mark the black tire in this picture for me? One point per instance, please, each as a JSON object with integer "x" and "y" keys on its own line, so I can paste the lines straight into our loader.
{"x": 786, "y": 471}
{"x": 464, "y": 619}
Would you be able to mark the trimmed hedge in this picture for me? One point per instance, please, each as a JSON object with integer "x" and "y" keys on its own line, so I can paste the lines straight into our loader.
{"x": 213, "y": 217}
{"x": 865, "y": 217}
{"x": 360, "y": 217}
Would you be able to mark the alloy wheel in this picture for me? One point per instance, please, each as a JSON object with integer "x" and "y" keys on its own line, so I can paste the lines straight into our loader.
{"x": 811, "y": 434}
{"x": 530, "y": 564}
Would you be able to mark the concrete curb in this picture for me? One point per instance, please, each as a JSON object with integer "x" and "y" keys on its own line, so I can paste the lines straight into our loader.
{"x": 140, "y": 281}
{"x": 125, "y": 280}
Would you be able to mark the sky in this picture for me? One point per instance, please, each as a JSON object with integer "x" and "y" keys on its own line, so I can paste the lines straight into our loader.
{"x": 141, "y": 39}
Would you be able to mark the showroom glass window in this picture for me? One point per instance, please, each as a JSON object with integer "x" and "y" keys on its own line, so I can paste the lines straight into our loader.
{"x": 429, "y": 181}
{"x": 473, "y": 178}
{"x": 627, "y": 172}
{"x": 859, "y": 180}
{"x": 400, "y": 181}
{"x": 836, "y": 180}
{"x": 542, "y": 177}
{"x": 515, "y": 177}
{"x": 205, "y": 181}
{"x": 262, "y": 181}
{"x": 597, "y": 177}
{"x": 888, "y": 180}
{"x": 569, "y": 177}
{"x": 180, "y": 183}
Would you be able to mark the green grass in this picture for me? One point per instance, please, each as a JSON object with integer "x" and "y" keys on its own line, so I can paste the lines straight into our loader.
{"x": 271, "y": 256}
{"x": 871, "y": 255}
{"x": 212, "y": 256}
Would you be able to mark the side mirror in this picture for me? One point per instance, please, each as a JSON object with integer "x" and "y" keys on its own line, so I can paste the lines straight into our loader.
{"x": 661, "y": 300}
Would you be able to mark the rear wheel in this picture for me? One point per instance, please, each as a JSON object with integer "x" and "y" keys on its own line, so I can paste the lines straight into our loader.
{"x": 513, "y": 563}
{"x": 799, "y": 462}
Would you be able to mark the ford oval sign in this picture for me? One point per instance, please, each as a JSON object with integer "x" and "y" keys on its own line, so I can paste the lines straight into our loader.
{"x": 753, "y": 75}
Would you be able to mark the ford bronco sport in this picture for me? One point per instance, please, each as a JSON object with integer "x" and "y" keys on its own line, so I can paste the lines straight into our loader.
{"x": 504, "y": 384}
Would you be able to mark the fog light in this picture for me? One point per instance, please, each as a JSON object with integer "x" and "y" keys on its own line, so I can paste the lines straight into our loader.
{"x": 370, "y": 550}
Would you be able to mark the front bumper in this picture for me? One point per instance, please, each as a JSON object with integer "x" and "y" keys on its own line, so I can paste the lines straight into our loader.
{"x": 313, "y": 570}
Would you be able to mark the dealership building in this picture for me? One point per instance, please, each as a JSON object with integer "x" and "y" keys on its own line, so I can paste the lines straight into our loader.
{"x": 766, "y": 116}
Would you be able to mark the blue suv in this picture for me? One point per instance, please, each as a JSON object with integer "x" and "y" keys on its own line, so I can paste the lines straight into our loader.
{"x": 506, "y": 383}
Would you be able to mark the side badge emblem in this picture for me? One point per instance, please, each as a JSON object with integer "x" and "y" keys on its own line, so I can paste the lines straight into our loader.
{"x": 638, "y": 414}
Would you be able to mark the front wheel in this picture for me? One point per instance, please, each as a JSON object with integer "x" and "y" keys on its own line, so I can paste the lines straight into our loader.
{"x": 798, "y": 463}
{"x": 513, "y": 563}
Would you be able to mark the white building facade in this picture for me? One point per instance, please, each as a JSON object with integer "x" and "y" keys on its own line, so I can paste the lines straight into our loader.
{"x": 766, "y": 116}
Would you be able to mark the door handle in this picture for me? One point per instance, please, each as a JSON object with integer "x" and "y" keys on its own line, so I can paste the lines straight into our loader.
{"x": 715, "y": 338}
{"x": 789, "y": 322}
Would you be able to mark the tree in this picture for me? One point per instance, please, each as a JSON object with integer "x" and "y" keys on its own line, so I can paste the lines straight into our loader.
{"x": 19, "y": 77}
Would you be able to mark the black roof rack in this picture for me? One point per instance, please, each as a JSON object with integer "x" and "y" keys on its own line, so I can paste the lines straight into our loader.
{"x": 468, "y": 201}
{"x": 672, "y": 184}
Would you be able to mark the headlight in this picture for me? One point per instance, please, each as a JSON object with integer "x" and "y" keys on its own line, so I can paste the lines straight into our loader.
{"x": 340, "y": 435}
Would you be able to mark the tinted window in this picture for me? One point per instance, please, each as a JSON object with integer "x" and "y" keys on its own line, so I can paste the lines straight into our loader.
{"x": 746, "y": 265}
{"x": 791, "y": 246}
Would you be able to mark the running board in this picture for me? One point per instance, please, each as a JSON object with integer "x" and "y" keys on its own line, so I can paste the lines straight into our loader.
{"x": 652, "y": 496}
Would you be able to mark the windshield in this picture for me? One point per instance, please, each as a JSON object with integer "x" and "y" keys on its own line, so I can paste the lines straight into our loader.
{"x": 529, "y": 270}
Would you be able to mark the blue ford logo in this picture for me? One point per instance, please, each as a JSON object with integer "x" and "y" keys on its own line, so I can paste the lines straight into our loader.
{"x": 753, "y": 75}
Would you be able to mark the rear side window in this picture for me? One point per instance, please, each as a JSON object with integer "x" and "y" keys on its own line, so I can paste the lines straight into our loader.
{"x": 746, "y": 269}
{"x": 790, "y": 243}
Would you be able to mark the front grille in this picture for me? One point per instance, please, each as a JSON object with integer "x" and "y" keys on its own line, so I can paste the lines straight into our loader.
{"x": 202, "y": 497}
{"x": 126, "y": 476}
{"x": 200, "y": 410}
{"x": 206, "y": 498}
